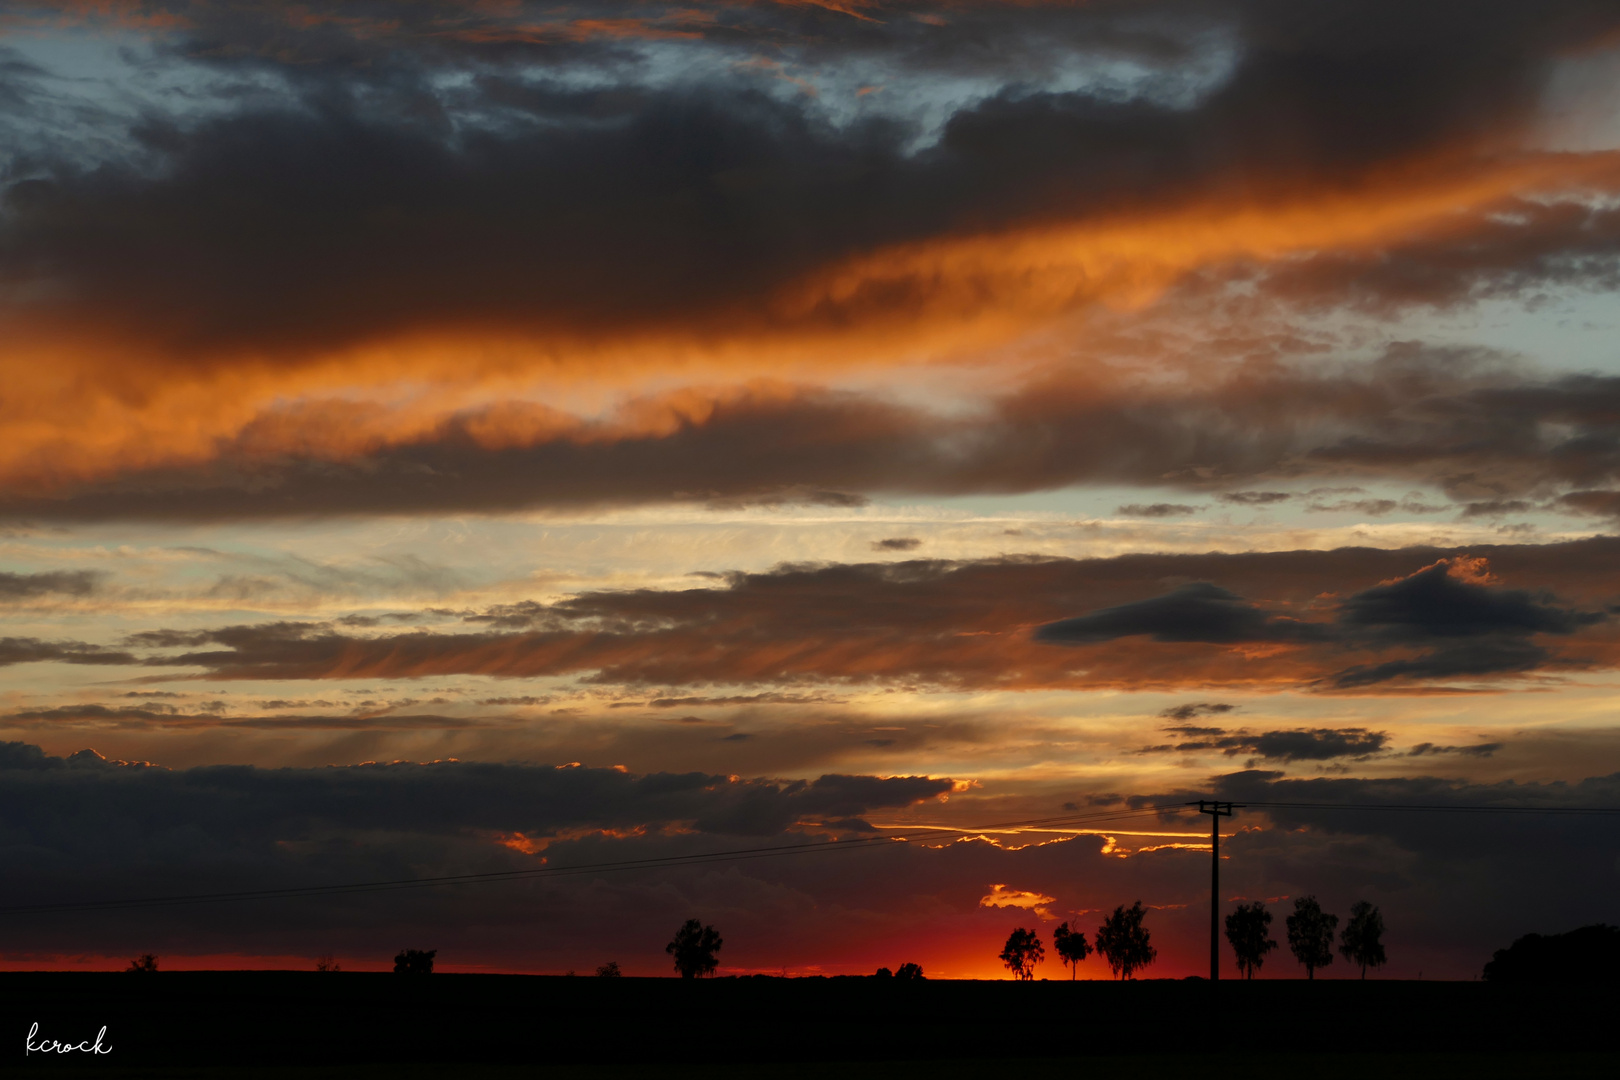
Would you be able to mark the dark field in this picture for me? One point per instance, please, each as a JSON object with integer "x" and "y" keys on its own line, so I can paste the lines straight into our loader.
{"x": 327, "y": 1025}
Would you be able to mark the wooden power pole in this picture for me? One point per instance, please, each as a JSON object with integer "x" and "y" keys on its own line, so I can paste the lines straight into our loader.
{"x": 1216, "y": 811}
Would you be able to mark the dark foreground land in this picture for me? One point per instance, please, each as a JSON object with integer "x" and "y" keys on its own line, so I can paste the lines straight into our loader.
{"x": 312, "y": 1025}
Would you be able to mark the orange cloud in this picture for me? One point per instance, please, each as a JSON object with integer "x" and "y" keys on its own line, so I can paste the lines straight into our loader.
{"x": 1002, "y": 897}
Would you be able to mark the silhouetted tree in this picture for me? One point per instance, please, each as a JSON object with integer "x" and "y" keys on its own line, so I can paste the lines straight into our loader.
{"x": 1249, "y": 931}
{"x": 1072, "y": 947}
{"x": 144, "y": 963}
{"x": 326, "y": 963}
{"x": 415, "y": 962}
{"x": 609, "y": 970}
{"x": 882, "y": 973}
{"x": 909, "y": 971}
{"x": 1310, "y": 934}
{"x": 1124, "y": 942}
{"x": 1022, "y": 952}
{"x": 1362, "y": 941}
{"x": 694, "y": 948}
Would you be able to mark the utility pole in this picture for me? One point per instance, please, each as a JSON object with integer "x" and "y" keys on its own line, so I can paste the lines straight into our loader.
{"x": 1216, "y": 811}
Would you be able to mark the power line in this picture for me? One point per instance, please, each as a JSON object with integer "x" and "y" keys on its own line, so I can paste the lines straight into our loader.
{"x": 1592, "y": 811}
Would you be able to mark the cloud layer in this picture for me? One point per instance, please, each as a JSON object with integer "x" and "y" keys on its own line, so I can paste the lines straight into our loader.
{"x": 1325, "y": 620}
{"x": 400, "y": 260}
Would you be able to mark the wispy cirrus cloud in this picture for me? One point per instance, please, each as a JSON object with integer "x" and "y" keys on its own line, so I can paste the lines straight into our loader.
{"x": 1300, "y": 621}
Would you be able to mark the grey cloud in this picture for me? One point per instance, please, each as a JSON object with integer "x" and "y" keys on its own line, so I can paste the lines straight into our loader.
{"x": 1469, "y": 627}
{"x": 1485, "y": 749}
{"x": 1156, "y": 510}
{"x": 1198, "y": 708}
{"x": 1288, "y": 744}
{"x": 1254, "y": 498}
{"x": 65, "y": 582}
{"x": 897, "y": 543}
{"x": 1436, "y": 603}
{"x": 33, "y": 650}
{"x": 1484, "y": 657}
{"x": 1198, "y": 612}
{"x": 1495, "y": 508}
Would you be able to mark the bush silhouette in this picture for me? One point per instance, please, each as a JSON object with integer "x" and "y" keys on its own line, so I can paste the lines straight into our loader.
{"x": 145, "y": 963}
{"x": 609, "y": 970}
{"x": 415, "y": 962}
{"x": 1022, "y": 952}
{"x": 1072, "y": 947}
{"x": 1363, "y": 939}
{"x": 1124, "y": 942}
{"x": 1587, "y": 955}
{"x": 1310, "y": 934}
{"x": 1248, "y": 929}
{"x": 910, "y": 971}
{"x": 326, "y": 963}
{"x": 694, "y": 948}
{"x": 882, "y": 973}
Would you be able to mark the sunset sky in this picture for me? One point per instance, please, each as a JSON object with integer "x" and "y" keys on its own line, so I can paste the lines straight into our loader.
{"x": 443, "y": 438}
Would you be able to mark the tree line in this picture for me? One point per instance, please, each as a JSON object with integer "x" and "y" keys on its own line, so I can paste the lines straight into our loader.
{"x": 1127, "y": 944}
{"x": 1122, "y": 940}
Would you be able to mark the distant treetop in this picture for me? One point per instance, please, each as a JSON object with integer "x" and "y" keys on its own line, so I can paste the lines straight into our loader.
{"x": 415, "y": 962}
{"x": 694, "y": 949}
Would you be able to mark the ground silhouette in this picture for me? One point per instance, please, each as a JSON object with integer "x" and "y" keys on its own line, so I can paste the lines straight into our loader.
{"x": 1589, "y": 954}
{"x": 209, "y": 1019}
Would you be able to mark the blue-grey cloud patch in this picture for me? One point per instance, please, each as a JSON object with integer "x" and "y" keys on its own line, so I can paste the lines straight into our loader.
{"x": 1201, "y": 611}
{"x": 1286, "y": 744}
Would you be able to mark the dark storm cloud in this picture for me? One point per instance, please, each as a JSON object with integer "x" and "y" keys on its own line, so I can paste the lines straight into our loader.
{"x": 1452, "y": 887}
{"x": 979, "y": 623}
{"x": 94, "y": 829}
{"x": 373, "y": 199}
{"x": 65, "y": 582}
{"x": 248, "y": 805}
